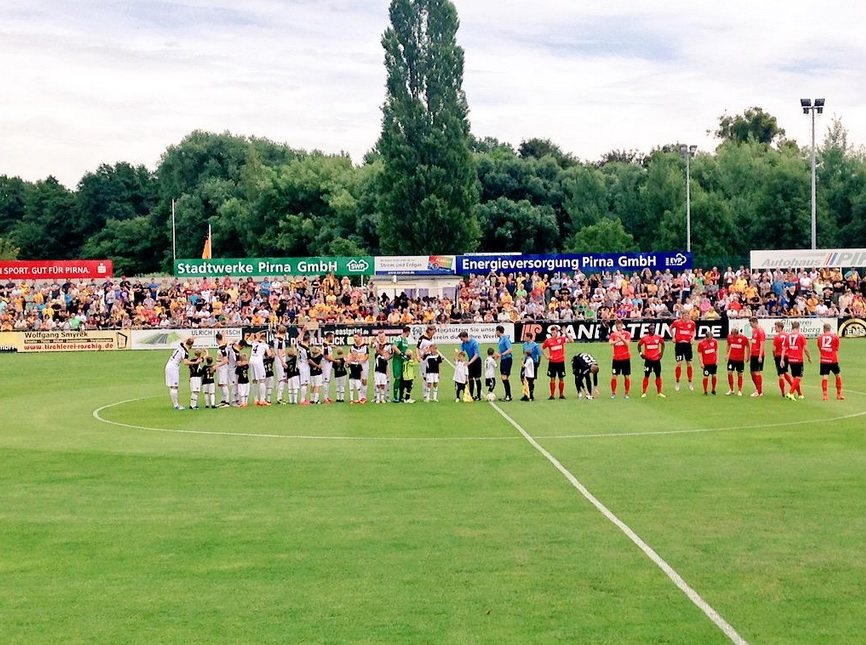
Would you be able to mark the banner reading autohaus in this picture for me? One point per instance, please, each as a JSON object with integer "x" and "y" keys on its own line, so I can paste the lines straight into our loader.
{"x": 262, "y": 267}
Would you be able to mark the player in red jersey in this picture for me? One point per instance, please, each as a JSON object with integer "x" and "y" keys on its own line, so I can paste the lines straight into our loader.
{"x": 554, "y": 350}
{"x": 738, "y": 349}
{"x": 828, "y": 350}
{"x": 621, "y": 364}
{"x": 780, "y": 344}
{"x": 796, "y": 347}
{"x": 708, "y": 350}
{"x": 651, "y": 348}
{"x": 683, "y": 330}
{"x": 756, "y": 362}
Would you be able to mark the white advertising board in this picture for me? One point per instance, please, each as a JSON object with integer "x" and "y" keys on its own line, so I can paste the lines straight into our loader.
{"x": 169, "y": 338}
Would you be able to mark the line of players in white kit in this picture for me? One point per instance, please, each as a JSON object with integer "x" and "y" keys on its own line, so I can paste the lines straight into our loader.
{"x": 280, "y": 373}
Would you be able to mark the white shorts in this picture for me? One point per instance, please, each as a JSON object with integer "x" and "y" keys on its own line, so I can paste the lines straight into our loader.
{"x": 269, "y": 381}
{"x": 243, "y": 389}
{"x": 195, "y": 384}
{"x": 316, "y": 381}
{"x": 365, "y": 371}
{"x": 380, "y": 379}
{"x": 223, "y": 375}
{"x": 210, "y": 388}
{"x": 257, "y": 370}
{"x": 279, "y": 371}
{"x": 294, "y": 382}
{"x": 354, "y": 384}
{"x": 432, "y": 377}
{"x": 305, "y": 374}
{"x": 172, "y": 375}
{"x": 326, "y": 371}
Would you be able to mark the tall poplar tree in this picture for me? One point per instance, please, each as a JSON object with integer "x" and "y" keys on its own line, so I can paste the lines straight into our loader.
{"x": 429, "y": 184}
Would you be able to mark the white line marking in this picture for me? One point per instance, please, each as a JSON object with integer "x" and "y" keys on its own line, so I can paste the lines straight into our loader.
{"x": 699, "y": 430}
{"x": 669, "y": 571}
{"x": 98, "y": 417}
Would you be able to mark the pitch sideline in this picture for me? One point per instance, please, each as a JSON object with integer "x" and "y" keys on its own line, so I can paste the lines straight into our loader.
{"x": 669, "y": 571}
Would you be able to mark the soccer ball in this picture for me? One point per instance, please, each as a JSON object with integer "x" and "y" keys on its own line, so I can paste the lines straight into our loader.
{"x": 491, "y": 397}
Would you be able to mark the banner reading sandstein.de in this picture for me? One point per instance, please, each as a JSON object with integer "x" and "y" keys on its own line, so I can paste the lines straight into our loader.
{"x": 273, "y": 267}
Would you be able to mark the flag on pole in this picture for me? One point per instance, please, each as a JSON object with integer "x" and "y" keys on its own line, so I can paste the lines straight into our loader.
{"x": 206, "y": 253}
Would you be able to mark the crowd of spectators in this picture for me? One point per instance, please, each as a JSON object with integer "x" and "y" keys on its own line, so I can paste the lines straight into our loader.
{"x": 225, "y": 302}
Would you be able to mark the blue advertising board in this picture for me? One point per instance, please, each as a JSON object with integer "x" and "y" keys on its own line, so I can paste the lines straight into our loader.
{"x": 586, "y": 262}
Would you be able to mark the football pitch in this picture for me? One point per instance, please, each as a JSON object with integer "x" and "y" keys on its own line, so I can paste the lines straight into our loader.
{"x": 690, "y": 519}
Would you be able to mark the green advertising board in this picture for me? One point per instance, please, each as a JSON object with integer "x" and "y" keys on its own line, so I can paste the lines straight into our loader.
{"x": 260, "y": 267}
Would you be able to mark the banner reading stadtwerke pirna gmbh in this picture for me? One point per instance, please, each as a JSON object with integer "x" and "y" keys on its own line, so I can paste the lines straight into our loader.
{"x": 261, "y": 267}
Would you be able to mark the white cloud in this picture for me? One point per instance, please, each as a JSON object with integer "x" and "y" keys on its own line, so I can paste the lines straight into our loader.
{"x": 96, "y": 82}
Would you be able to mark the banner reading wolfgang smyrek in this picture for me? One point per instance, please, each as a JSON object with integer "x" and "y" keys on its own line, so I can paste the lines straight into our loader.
{"x": 55, "y": 269}
{"x": 592, "y": 262}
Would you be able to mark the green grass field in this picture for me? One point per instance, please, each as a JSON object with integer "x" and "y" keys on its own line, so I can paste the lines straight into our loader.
{"x": 436, "y": 523}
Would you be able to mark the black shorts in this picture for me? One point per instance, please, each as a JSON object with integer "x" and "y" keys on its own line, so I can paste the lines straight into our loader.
{"x": 683, "y": 352}
{"x": 622, "y": 366}
{"x": 829, "y": 368}
{"x": 505, "y": 364}
{"x": 780, "y": 369}
{"x": 737, "y": 366}
{"x": 650, "y": 366}
{"x": 556, "y": 369}
{"x": 756, "y": 364}
{"x": 475, "y": 369}
{"x": 796, "y": 369}
{"x": 710, "y": 370}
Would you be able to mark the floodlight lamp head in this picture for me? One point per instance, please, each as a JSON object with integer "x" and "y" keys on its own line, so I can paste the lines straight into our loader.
{"x": 693, "y": 149}
{"x": 805, "y": 103}
{"x": 819, "y": 103}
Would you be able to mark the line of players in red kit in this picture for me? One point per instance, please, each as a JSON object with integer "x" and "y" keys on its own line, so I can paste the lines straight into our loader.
{"x": 790, "y": 350}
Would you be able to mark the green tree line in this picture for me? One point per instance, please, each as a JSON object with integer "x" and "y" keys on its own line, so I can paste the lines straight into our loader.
{"x": 267, "y": 199}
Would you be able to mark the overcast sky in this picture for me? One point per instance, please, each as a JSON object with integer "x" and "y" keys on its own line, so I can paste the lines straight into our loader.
{"x": 87, "y": 82}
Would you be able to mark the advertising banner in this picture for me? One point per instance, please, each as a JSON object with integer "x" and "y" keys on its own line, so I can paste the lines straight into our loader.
{"x": 414, "y": 264}
{"x": 11, "y": 341}
{"x": 484, "y": 333}
{"x": 64, "y": 341}
{"x": 595, "y": 331}
{"x": 262, "y": 267}
{"x": 808, "y": 259}
{"x": 852, "y": 328}
{"x": 587, "y": 262}
{"x": 167, "y": 339}
{"x": 809, "y": 327}
{"x": 55, "y": 269}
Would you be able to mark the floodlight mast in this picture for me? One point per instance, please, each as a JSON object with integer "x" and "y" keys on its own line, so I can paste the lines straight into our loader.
{"x": 688, "y": 152}
{"x": 816, "y": 107}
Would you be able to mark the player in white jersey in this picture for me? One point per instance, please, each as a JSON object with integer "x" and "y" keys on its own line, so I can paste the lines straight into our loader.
{"x": 223, "y": 370}
{"x": 279, "y": 348}
{"x": 424, "y": 345}
{"x": 303, "y": 350}
{"x": 327, "y": 365}
{"x": 259, "y": 349}
{"x": 359, "y": 354}
{"x": 180, "y": 356}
